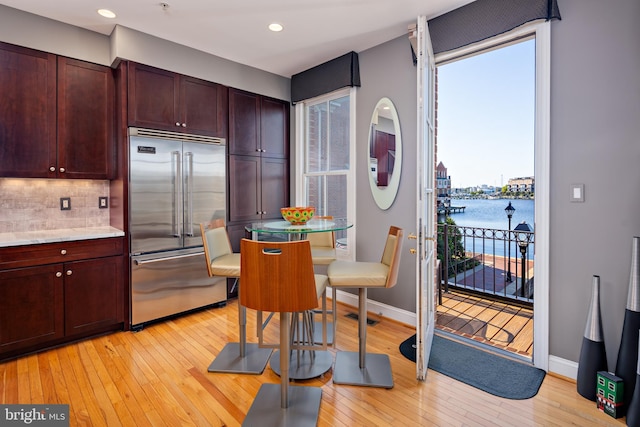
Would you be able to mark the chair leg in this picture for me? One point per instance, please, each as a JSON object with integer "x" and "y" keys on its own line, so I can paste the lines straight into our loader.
{"x": 361, "y": 368}
{"x": 299, "y": 405}
{"x": 285, "y": 324}
{"x": 334, "y": 313}
{"x": 362, "y": 326}
{"x": 241, "y": 357}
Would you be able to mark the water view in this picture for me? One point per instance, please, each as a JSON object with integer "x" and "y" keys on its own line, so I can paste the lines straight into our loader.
{"x": 487, "y": 213}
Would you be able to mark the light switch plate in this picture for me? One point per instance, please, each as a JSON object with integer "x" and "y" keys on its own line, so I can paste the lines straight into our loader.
{"x": 65, "y": 203}
{"x": 577, "y": 193}
{"x": 103, "y": 202}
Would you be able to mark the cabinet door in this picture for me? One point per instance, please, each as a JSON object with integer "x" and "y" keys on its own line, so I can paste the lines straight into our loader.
{"x": 86, "y": 120}
{"x": 154, "y": 98}
{"x": 93, "y": 294}
{"x": 27, "y": 113}
{"x": 204, "y": 107}
{"x": 274, "y": 128}
{"x": 244, "y": 188}
{"x": 275, "y": 187}
{"x": 244, "y": 123}
{"x": 31, "y": 307}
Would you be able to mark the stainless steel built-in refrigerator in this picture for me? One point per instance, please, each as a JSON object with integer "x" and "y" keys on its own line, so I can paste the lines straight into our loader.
{"x": 176, "y": 182}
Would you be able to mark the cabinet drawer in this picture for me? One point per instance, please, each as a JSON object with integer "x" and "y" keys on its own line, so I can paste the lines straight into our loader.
{"x": 48, "y": 253}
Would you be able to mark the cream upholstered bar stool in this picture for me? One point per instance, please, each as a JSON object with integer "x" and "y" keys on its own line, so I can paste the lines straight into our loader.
{"x": 323, "y": 253}
{"x": 362, "y": 368}
{"x": 323, "y": 245}
{"x": 240, "y": 357}
{"x": 278, "y": 277}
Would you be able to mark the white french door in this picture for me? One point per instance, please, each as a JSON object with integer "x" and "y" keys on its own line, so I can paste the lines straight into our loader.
{"x": 425, "y": 215}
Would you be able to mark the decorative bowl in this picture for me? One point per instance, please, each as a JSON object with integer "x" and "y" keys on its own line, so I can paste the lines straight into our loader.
{"x": 297, "y": 215}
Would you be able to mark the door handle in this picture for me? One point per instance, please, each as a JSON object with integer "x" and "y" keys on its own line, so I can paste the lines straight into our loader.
{"x": 175, "y": 220}
{"x": 188, "y": 222}
{"x": 412, "y": 236}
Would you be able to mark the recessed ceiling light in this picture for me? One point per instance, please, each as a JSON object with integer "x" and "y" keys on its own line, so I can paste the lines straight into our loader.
{"x": 106, "y": 13}
{"x": 275, "y": 27}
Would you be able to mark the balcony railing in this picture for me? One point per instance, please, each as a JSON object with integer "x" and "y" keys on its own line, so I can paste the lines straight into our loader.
{"x": 486, "y": 260}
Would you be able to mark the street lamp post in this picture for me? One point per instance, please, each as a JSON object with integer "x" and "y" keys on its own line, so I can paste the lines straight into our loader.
{"x": 509, "y": 211}
{"x": 523, "y": 236}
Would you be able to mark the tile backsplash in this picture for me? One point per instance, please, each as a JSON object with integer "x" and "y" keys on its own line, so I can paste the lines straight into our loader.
{"x": 34, "y": 204}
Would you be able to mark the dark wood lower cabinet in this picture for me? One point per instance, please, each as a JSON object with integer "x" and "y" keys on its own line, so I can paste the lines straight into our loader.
{"x": 42, "y": 305}
{"x": 91, "y": 297}
{"x": 31, "y": 307}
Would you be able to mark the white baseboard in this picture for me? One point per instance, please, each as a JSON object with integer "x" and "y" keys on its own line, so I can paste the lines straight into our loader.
{"x": 384, "y": 310}
{"x": 564, "y": 367}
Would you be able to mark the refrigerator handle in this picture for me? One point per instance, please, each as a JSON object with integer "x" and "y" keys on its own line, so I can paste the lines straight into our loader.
{"x": 177, "y": 174}
{"x": 169, "y": 258}
{"x": 188, "y": 222}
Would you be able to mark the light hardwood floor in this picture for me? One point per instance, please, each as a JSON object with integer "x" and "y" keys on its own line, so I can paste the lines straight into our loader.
{"x": 158, "y": 377}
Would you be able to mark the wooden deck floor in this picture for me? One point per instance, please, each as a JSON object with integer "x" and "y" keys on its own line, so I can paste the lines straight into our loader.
{"x": 500, "y": 325}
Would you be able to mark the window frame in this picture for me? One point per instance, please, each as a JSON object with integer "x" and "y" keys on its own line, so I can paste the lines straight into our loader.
{"x": 300, "y": 160}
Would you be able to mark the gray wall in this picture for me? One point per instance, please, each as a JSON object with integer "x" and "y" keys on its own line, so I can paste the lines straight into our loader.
{"x": 387, "y": 70}
{"x": 595, "y": 140}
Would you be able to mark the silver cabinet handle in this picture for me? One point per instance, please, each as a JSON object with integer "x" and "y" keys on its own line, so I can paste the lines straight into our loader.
{"x": 177, "y": 123}
{"x": 63, "y": 252}
{"x": 184, "y": 125}
{"x": 58, "y": 274}
{"x": 52, "y": 169}
{"x": 69, "y": 272}
{"x": 61, "y": 169}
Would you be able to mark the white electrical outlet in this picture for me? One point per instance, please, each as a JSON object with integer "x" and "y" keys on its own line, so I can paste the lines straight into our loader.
{"x": 65, "y": 203}
{"x": 103, "y": 202}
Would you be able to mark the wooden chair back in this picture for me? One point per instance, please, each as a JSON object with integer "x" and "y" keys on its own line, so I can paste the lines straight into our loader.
{"x": 277, "y": 276}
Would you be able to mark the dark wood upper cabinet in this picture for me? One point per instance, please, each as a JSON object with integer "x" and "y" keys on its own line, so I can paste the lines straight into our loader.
{"x": 86, "y": 120}
{"x": 160, "y": 99}
{"x": 204, "y": 107}
{"x": 274, "y": 128}
{"x": 258, "y": 125}
{"x": 57, "y": 116}
{"x": 27, "y": 113}
{"x": 258, "y": 156}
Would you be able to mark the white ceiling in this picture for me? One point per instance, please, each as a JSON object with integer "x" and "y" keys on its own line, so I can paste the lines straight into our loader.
{"x": 315, "y": 31}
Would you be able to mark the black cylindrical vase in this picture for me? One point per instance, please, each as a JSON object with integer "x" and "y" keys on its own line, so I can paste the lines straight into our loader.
{"x": 593, "y": 355}
{"x": 633, "y": 410}
{"x": 628, "y": 352}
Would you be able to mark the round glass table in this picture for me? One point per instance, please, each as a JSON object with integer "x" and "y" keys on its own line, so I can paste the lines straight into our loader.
{"x": 298, "y": 232}
{"x": 314, "y": 363}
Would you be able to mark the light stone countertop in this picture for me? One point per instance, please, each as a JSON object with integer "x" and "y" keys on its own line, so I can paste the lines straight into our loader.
{"x": 60, "y": 235}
